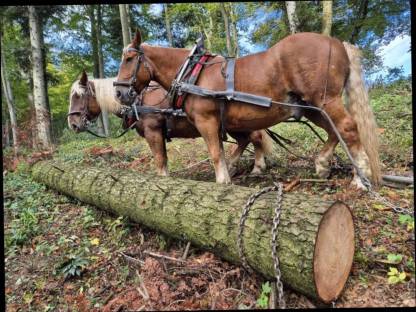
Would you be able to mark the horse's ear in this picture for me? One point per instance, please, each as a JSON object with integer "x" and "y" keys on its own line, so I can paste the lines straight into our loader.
{"x": 137, "y": 40}
{"x": 84, "y": 78}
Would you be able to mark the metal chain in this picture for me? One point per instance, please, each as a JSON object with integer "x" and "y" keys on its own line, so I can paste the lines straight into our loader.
{"x": 276, "y": 220}
{"x": 395, "y": 208}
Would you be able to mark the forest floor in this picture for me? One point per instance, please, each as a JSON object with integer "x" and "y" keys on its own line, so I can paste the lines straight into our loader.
{"x": 64, "y": 255}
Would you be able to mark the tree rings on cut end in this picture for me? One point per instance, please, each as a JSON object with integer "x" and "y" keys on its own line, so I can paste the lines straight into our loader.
{"x": 334, "y": 251}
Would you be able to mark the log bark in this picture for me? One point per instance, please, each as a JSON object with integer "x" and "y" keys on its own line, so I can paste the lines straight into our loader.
{"x": 315, "y": 237}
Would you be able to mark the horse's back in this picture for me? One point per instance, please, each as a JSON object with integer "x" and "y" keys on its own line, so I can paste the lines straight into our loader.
{"x": 303, "y": 61}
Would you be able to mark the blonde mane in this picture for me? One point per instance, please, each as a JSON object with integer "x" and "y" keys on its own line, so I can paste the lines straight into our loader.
{"x": 104, "y": 93}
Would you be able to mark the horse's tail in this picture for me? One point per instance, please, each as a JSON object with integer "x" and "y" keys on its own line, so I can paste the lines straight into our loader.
{"x": 266, "y": 143}
{"x": 360, "y": 109}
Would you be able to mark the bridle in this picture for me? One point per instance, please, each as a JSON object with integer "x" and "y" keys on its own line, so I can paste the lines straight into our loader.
{"x": 131, "y": 83}
{"x": 85, "y": 122}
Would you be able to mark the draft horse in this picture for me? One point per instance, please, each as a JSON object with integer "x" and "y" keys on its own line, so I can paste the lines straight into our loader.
{"x": 89, "y": 97}
{"x": 309, "y": 69}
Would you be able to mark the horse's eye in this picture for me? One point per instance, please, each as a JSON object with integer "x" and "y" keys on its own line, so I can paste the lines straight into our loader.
{"x": 129, "y": 59}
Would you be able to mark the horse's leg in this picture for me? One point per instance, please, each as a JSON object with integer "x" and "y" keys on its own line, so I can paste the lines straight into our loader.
{"x": 156, "y": 141}
{"x": 209, "y": 127}
{"x": 256, "y": 138}
{"x": 242, "y": 142}
{"x": 323, "y": 160}
{"x": 347, "y": 128}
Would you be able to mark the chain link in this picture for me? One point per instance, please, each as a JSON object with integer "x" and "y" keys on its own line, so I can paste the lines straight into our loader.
{"x": 276, "y": 220}
{"x": 395, "y": 208}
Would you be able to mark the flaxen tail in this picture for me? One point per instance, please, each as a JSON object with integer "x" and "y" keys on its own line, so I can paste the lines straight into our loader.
{"x": 359, "y": 107}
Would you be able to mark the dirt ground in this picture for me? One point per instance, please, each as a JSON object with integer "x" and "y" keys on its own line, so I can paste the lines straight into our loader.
{"x": 118, "y": 275}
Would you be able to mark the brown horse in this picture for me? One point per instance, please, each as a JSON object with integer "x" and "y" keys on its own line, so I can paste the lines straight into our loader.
{"x": 89, "y": 97}
{"x": 305, "y": 68}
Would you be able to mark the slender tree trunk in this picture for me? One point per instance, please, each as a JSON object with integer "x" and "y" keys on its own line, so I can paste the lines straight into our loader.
{"x": 326, "y": 17}
{"x": 234, "y": 30}
{"x": 6, "y": 134}
{"x": 8, "y": 94}
{"x": 104, "y": 114}
{"x": 124, "y": 24}
{"x": 361, "y": 16}
{"x": 227, "y": 29}
{"x": 291, "y": 16}
{"x": 167, "y": 24}
{"x": 40, "y": 96}
{"x": 129, "y": 20}
{"x": 315, "y": 241}
{"x": 95, "y": 58}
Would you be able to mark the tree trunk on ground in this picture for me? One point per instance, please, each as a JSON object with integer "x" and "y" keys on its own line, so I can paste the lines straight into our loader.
{"x": 326, "y": 17}
{"x": 104, "y": 114}
{"x": 315, "y": 237}
{"x": 40, "y": 95}
{"x": 291, "y": 16}
{"x": 124, "y": 24}
{"x": 234, "y": 30}
{"x": 167, "y": 24}
{"x": 224, "y": 14}
{"x": 8, "y": 94}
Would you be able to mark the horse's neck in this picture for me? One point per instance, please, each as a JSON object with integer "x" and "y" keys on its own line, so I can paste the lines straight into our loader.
{"x": 167, "y": 62}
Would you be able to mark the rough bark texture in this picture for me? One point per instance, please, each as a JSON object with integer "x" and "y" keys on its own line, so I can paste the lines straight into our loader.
{"x": 291, "y": 16}
{"x": 40, "y": 97}
{"x": 10, "y": 101}
{"x": 224, "y": 14}
{"x": 104, "y": 114}
{"x": 208, "y": 215}
{"x": 124, "y": 24}
{"x": 326, "y": 17}
{"x": 167, "y": 24}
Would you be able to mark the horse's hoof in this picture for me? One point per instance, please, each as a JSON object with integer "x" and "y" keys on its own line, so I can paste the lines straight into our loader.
{"x": 356, "y": 183}
{"x": 255, "y": 171}
{"x": 323, "y": 172}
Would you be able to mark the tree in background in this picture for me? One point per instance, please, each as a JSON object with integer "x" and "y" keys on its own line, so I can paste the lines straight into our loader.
{"x": 292, "y": 16}
{"x": 40, "y": 95}
{"x": 7, "y": 91}
{"x": 326, "y": 17}
{"x": 167, "y": 24}
{"x": 125, "y": 25}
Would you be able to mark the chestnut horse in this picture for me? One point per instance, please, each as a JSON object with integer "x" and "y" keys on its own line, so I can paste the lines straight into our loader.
{"x": 89, "y": 97}
{"x": 304, "y": 68}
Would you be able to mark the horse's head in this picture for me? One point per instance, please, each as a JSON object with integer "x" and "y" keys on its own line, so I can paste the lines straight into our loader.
{"x": 135, "y": 72}
{"x": 83, "y": 106}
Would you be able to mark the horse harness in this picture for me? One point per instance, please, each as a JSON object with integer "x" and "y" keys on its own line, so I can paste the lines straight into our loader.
{"x": 184, "y": 84}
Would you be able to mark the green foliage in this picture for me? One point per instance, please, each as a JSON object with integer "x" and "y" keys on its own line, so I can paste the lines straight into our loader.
{"x": 407, "y": 220}
{"x": 73, "y": 266}
{"x": 394, "y": 258}
{"x": 263, "y": 300}
{"x": 28, "y": 202}
{"x": 394, "y": 276}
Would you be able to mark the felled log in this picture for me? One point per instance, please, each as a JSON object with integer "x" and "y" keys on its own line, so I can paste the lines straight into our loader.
{"x": 315, "y": 236}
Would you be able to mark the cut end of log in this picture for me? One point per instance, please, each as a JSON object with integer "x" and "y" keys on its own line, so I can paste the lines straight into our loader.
{"x": 334, "y": 252}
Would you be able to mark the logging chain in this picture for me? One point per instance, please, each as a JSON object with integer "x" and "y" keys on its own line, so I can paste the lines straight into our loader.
{"x": 276, "y": 220}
